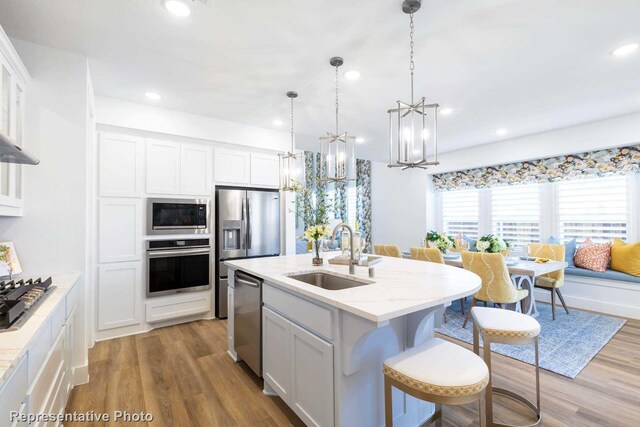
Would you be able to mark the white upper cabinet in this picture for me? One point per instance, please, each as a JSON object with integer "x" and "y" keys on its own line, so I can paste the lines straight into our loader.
{"x": 232, "y": 167}
{"x": 121, "y": 160}
{"x": 265, "y": 170}
{"x": 163, "y": 167}
{"x": 179, "y": 169}
{"x": 196, "y": 164}
{"x": 13, "y": 81}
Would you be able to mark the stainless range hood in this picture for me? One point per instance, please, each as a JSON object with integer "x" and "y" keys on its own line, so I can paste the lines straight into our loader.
{"x": 11, "y": 153}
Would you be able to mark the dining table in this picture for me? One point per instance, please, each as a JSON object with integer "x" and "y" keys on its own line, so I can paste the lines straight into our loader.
{"x": 523, "y": 274}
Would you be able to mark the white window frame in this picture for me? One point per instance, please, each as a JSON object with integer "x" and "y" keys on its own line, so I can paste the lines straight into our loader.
{"x": 549, "y": 210}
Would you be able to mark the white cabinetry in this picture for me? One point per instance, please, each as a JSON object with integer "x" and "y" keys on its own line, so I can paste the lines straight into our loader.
{"x": 179, "y": 169}
{"x": 298, "y": 365}
{"x": 42, "y": 378}
{"x": 119, "y": 291}
{"x": 13, "y": 83}
{"x": 232, "y": 167}
{"x": 120, "y": 229}
{"x": 14, "y": 390}
{"x": 276, "y": 331}
{"x": 163, "y": 167}
{"x": 265, "y": 170}
{"x": 311, "y": 377}
{"x": 121, "y": 165}
{"x": 176, "y": 306}
{"x": 195, "y": 176}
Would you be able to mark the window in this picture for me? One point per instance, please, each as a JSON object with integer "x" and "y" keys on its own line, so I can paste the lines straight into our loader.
{"x": 460, "y": 212}
{"x": 593, "y": 208}
{"x": 515, "y": 212}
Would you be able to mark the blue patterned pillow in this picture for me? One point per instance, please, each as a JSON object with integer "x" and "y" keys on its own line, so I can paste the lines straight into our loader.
{"x": 472, "y": 243}
{"x": 569, "y": 249}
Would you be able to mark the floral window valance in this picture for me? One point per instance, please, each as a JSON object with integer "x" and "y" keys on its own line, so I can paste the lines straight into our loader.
{"x": 614, "y": 161}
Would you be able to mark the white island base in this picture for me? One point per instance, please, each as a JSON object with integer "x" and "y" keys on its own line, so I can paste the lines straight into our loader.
{"x": 323, "y": 351}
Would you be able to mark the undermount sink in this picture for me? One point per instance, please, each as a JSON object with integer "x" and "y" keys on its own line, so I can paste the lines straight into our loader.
{"x": 331, "y": 282}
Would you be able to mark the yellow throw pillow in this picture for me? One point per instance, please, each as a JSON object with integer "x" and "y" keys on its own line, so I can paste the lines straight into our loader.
{"x": 625, "y": 257}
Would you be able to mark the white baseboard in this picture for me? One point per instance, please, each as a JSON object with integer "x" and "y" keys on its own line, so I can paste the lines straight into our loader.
{"x": 599, "y": 295}
{"x": 146, "y": 327}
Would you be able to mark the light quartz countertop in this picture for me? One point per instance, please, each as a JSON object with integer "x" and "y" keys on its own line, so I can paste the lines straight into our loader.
{"x": 14, "y": 344}
{"x": 401, "y": 286}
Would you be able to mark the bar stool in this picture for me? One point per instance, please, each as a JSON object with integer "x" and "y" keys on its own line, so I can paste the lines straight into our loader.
{"x": 437, "y": 371}
{"x": 506, "y": 327}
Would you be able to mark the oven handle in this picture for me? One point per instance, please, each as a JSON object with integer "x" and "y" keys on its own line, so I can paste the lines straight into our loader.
{"x": 178, "y": 252}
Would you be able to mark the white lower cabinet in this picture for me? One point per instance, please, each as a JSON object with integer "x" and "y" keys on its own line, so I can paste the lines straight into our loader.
{"x": 276, "y": 331}
{"x": 14, "y": 392}
{"x": 175, "y": 306}
{"x": 298, "y": 365}
{"x": 119, "y": 292}
{"x": 43, "y": 393}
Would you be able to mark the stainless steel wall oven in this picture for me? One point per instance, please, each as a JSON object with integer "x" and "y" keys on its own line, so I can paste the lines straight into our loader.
{"x": 175, "y": 266}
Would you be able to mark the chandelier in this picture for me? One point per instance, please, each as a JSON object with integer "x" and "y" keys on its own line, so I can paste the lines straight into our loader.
{"x": 337, "y": 149}
{"x": 413, "y": 141}
{"x": 291, "y": 163}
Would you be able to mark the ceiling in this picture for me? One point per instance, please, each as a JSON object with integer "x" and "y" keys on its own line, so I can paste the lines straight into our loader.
{"x": 524, "y": 65}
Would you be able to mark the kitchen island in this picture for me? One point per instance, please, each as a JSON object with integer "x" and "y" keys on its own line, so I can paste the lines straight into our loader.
{"x": 323, "y": 349}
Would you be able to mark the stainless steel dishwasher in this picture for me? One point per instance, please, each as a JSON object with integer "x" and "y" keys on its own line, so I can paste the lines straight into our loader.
{"x": 247, "y": 318}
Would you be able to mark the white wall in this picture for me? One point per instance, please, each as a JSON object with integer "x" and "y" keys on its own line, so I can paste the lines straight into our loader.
{"x": 51, "y": 237}
{"x": 116, "y": 112}
{"x": 399, "y": 205}
{"x": 616, "y": 132}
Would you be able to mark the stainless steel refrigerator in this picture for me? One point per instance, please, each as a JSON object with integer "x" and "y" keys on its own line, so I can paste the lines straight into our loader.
{"x": 247, "y": 226}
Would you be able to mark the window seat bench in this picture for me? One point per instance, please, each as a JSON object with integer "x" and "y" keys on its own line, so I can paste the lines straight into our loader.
{"x": 609, "y": 274}
{"x": 609, "y": 292}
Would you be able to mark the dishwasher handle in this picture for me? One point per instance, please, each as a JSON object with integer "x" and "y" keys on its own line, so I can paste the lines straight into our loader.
{"x": 244, "y": 279}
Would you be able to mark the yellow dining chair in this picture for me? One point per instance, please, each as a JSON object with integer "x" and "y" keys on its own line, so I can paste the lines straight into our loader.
{"x": 387, "y": 250}
{"x": 497, "y": 286}
{"x": 432, "y": 255}
{"x": 551, "y": 281}
{"x": 426, "y": 254}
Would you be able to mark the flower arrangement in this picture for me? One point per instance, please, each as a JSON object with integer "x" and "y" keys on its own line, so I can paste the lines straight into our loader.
{"x": 439, "y": 240}
{"x": 315, "y": 233}
{"x": 491, "y": 244}
{"x": 314, "y": 213}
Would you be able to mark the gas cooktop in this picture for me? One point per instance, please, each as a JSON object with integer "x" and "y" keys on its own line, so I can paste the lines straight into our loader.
{"x": 18, "y": 297}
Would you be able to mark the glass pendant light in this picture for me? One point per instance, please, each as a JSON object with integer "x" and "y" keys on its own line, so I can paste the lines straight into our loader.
{"x": 338, "y": 162}
{"x": 291, "y": 163}
{"x": 413, "y": 139}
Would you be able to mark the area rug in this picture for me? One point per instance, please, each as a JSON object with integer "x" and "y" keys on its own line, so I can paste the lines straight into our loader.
{"x": 567, "y": 344}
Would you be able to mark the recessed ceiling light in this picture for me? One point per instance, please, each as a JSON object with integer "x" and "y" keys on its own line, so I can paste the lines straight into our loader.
{"x": 359, "y": 140}
{"x": 153, "y": 96}
{"x": 501, "y": 132}
{"x": 625, "y": 50}
{"x": 277, "y": 122}
{"x": 446, "y": 111}
{"x": 352, "y": 75}
{"x": 177, "y": 8}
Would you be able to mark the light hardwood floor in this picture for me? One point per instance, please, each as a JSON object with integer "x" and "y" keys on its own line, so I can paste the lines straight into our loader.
{"x": 183, "y": 376}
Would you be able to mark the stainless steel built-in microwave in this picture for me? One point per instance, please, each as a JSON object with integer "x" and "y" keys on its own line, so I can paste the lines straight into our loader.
{"x": 177, "y": 216}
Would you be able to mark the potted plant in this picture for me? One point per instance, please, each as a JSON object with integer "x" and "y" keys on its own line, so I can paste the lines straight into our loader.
{"x": 492, "y": 244}
{"x": 314, "y": 213}
{"x": 439, "y": 240}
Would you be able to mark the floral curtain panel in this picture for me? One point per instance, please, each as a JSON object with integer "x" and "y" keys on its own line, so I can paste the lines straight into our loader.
{"x": 614, "y": 161}
{"x": 340, "y": 202}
